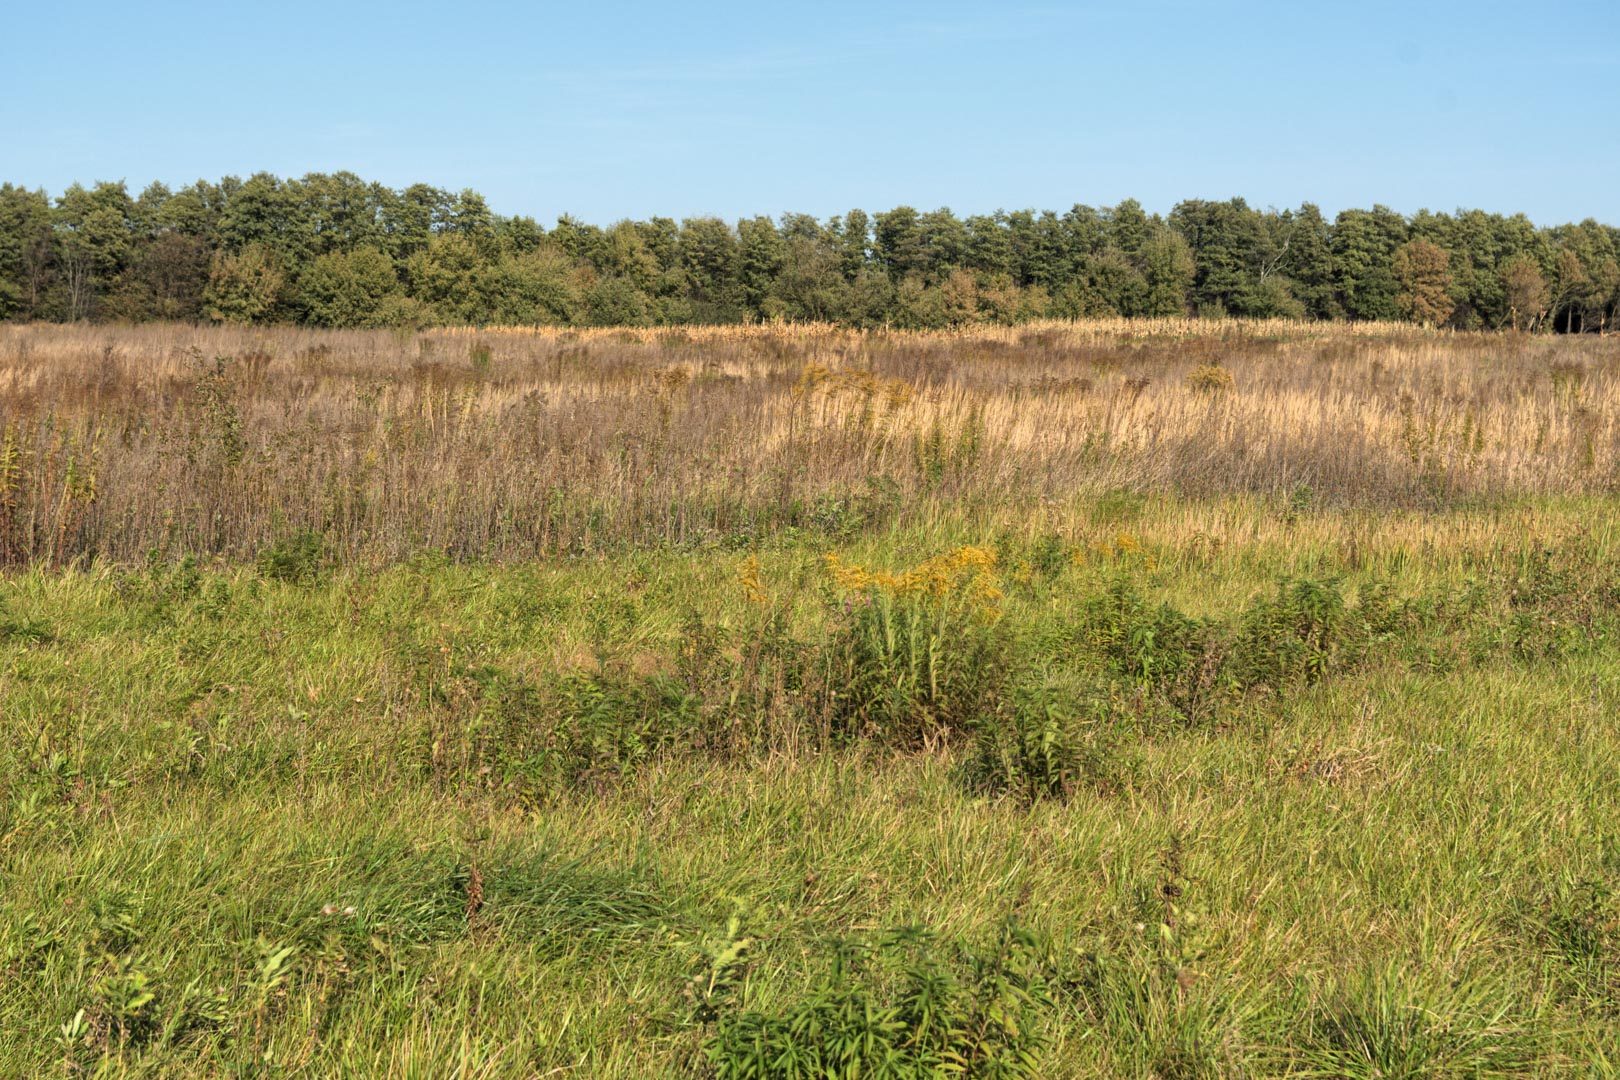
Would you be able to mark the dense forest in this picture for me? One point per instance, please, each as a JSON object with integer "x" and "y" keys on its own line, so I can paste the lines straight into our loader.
{"x": 335, "y": 250}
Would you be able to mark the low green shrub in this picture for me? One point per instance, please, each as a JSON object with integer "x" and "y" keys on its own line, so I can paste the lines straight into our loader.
{"x": 898, "y": 1008}
{"x": 298, "y": 558}
{"x": 1050, "y": 739}
{"x": 914, "y": 657}
{"x": 1136, "y": 640}
{"x": 1300, "y": 634}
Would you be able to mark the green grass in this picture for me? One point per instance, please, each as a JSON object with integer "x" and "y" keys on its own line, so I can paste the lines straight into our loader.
{"x": 609, "y": 817}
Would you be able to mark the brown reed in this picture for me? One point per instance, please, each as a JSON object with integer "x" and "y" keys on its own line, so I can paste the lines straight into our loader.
{"x": 121, "y": 443}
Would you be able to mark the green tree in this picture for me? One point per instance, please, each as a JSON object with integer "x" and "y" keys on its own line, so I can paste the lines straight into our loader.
{"x": 451, "y": 278}
{"x": 1585, "y": 276}
{"x": 471, "y": 217}
{"x": 258, "y": 211}
{"x": 761, "y": 255}
{"x": 1166, "y": 265}
{"x": 710, "y": 257}
{"x": 1126, "y": 226}
{"x": 1364, "y": 243}
{"x": 853, "y": 238}
{"x": 1235, "y": 256}
{"x": 1113, "y": 285}
{"x": 348, "y": 289}
{"x": 810, "y": 284}
{"x": 944, "y": 242}
{"x": 411, "y": 219}
{"x": 615, "y": 301}
{"x": 533, "y": 288}
{"x": 990, "y": 245}
{"x": 26, "y": 252}
{"x": 341, "y": 212}
{"x": 920, "y": 306}
{"x": 1303, "y": 242}
{"x": 244, "y": 287}
{"x": 173, "y": 270}
{"x": 94, "y": 239}
{"x": 897, "y": 243}
{"x": 194, "y": 212}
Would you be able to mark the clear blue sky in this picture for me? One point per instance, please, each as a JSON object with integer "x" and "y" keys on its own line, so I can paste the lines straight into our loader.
{"x": 609, "y": 110}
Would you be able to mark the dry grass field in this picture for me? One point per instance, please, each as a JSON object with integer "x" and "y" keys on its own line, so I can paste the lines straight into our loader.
{"x": 511, "y": 444}
{"x": 1154, "y": 700}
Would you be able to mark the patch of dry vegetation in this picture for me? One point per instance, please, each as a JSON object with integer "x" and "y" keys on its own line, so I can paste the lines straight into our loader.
{"x": 117, "y": 442}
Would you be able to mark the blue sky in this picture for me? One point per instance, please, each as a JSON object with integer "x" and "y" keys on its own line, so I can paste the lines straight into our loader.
{"x": 612, "y": 110}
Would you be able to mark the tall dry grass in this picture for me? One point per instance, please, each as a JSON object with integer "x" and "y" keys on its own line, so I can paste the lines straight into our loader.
{"x": 117, "y": 442}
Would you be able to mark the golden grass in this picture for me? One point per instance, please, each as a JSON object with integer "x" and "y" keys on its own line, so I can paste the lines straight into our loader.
{"x": 505, "y": 442}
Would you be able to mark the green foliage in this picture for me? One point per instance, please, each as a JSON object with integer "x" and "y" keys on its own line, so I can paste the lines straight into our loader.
{"x": 908, "y": 667}
{"x": 1381, "y": 1023}
{"x": 1300, "y": 634}
{"x": 494, "y": 728}
{"x": 335, "y": 250}
{"x": 1561, "y": 602}
{"x": 346, "y": 289}
{"x": 897, "y": 1007}
{"x": 1051, "y": 738}
{"x": 1140, "y": 642}
{"x": 298, "y": 558}
{"x": 608, "y": 726}
{"x": 245, "y": 286}
{"x": 445, "y": 815}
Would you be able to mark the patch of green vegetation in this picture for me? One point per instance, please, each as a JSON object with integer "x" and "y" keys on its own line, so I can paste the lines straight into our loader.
{"x": 1253, "y": 811}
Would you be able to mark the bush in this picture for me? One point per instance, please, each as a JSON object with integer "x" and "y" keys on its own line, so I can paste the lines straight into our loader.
{"x": 1049, "y": 740}
{"x": 1210, "y": 378}
{"x": 914, "y": 657}
{"x": 297, "y": 558}
{"x": 1299, "y": 635}
{"x": 898, "y": 1008}
{"x": 608, "y": 725}
{"x": 1146, "y": 644}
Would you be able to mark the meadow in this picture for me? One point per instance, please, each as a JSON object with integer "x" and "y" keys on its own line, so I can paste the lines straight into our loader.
{"x": 1152, "y": 699}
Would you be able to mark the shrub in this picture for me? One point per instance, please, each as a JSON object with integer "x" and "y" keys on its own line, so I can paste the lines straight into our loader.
{"x": 1049, "y": 740}
{"x": 1298, "y": 635}
{"x": 1049, "y": 555}
{"x": 1153, "y": 645}
{"x": 1210, "y": 378}
{"x": 607, "y": 725}
{"x": 897, "y": 1008}
{"x": 297, "y": 558}
{"x": 914, "y": 656}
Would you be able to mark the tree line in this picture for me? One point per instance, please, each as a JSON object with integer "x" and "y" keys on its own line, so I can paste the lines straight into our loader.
{"x": 336, "y": 250}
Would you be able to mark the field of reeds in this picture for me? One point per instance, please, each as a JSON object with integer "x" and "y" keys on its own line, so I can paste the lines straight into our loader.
{"x": 119, "y": 442}
{"x": 1153, "y": 700}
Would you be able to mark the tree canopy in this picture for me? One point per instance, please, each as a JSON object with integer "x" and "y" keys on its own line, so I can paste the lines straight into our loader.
{"x": 336, "y": 250}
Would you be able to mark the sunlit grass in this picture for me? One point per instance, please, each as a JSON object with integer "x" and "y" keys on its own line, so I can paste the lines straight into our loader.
{"x": 244, "y": 813}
